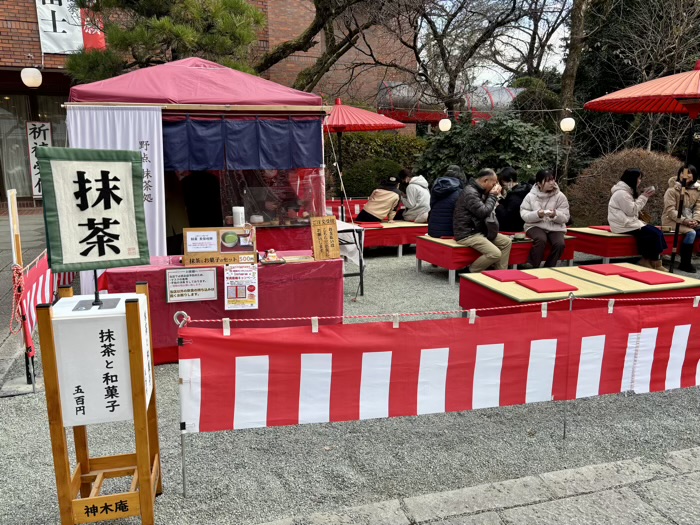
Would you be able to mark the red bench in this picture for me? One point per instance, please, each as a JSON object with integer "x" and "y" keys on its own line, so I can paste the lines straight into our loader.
{"x": 600, "y": 241}
{"x": 446, "y": 253}
{"x": 395, "y": 233}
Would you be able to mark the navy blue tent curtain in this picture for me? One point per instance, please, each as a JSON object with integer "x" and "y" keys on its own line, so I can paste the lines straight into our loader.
{"x": 255, "y": 144}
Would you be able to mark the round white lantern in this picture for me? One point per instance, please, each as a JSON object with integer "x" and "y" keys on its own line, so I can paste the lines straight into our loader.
{"x": 445, "y": 124}
{"x": 567, "y": 124}
{"x": 31, "y": 77}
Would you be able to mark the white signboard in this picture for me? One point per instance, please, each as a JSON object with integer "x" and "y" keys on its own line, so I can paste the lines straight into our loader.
{"x": 241, "y": 287}
{"x": 190, "y": 284}
{"x": 92, "y": 356}
{"x": 93, "y": 208}
{"x": 38, "y": 134}
{"x": 60, "y": 26}
{"x": 201, "y": 242}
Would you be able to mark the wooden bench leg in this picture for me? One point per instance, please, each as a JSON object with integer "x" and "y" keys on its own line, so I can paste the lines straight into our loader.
{"x": 419, "y": 265}
{"x": 452, "y": 277}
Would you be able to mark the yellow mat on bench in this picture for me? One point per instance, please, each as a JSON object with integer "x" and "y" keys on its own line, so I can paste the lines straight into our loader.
{"x": 524, "y": 295}
{"x": 623, "y": 284}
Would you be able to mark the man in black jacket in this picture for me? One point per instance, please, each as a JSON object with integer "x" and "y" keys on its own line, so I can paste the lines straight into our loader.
{"x": 508, "y": 209}
{"x": 475, "y": 223}
{"x": 443, "y": 197}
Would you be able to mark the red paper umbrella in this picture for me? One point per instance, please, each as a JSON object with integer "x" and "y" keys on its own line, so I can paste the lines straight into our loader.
{"x": 345, "y": 119}
{"x": 678, "y": 94}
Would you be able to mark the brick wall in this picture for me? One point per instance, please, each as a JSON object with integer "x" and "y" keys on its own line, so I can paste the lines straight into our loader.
{"x": 19, "y": 36}
{"x": 288, "y": 18}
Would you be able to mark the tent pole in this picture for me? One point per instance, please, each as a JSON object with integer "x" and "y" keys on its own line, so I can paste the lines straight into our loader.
{"x": 340, "y": 176}
{"x": 676, "y": 232}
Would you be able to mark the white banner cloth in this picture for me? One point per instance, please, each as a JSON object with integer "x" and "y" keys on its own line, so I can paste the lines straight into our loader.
{"x": 132, "y": 129}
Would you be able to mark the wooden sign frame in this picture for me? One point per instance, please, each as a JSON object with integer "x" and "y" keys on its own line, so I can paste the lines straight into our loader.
{"x": 79, "y": 491}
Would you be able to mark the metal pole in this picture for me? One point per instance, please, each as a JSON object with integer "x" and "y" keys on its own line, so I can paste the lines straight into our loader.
{"x": 340, "y": 176}
{"x": 676, "y": 232}
{"x": 184, "y": 472}
{"x": 97, "y": 301}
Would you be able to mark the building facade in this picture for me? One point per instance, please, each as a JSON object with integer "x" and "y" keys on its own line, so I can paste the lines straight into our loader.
{"x": 21, "y": 29}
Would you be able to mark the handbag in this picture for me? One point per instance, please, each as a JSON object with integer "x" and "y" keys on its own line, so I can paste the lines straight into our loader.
{"x": 491, "y": 226}
{"x": 645, "y": 217}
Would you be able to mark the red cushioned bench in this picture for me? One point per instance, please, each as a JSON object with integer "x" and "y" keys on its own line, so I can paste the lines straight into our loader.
{"x": 352, "y": 208}
{"x": 395, "y": 233}
{"x": 446, "y": 253}
{"x": 600, "y": 241}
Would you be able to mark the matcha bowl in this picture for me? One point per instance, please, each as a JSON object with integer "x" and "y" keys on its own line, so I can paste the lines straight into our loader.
{"x": 229, "y": 239}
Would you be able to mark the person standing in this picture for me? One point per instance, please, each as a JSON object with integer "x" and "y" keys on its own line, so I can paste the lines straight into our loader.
{"x": 623, "y": 217}
{"x": 417, "y": 199}
{"x": 689, "y": 221}
{"x": 443, "y": 197}
{"x": 545, "y": 211}
{"x": 475, "y": 223}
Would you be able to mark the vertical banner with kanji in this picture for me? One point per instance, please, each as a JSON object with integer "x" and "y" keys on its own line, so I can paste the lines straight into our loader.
{"x": 324, "y": 232}
{"x": 93, "y": 207}
{"x": 64, "y": 28}
{"x": 38, "y": 134}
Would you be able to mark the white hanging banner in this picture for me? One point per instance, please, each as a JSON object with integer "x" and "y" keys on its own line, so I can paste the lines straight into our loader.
{"x": 134, "y": 129}
{"x": 38, "y": 134}
{"x": 60, "y": 26}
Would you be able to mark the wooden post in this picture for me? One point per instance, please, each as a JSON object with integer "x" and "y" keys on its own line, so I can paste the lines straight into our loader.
{"x": 138, "y": 396}
{"x": 55, "y": 414}
{"x": 144, "y": 466}
{"x": 154, "y": 439}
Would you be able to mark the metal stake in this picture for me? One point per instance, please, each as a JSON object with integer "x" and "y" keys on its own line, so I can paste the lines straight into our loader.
{"x": 184, "y": 472}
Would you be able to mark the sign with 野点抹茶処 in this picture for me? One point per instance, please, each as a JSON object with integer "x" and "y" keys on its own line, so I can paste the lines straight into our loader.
{"x": 93, "y": 208}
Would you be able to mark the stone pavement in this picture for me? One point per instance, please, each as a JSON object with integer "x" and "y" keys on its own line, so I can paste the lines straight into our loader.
{"x": 635, "y": 491}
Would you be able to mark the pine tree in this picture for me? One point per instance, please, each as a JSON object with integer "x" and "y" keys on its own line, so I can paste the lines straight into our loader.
{"x": 142, "y": 33}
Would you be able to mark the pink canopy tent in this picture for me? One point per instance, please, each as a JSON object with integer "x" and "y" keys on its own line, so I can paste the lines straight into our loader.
{"x": 192, "y": 81}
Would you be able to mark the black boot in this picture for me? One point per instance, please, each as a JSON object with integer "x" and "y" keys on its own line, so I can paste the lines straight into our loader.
{"x": 686, "y": 257}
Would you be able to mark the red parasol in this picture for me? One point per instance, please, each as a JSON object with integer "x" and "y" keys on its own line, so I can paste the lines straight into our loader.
{"x": 678, "y": 94}
{"x": 675, "y": 94}
{"x": 348, "y": 118}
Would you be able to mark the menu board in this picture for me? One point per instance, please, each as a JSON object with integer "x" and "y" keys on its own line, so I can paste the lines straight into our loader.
{"x": 219, "y": 246}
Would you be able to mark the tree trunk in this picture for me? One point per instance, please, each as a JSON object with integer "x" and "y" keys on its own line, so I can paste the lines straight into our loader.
{"x": 573, "y": 58}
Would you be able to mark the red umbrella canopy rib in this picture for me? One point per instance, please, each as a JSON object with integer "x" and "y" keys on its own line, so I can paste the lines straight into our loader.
{"x": 661, "y": 95}
{"x": 347, "y": 118}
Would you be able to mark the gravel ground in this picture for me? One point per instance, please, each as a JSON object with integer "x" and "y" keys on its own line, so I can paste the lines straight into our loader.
{"x": 254, "y": 476}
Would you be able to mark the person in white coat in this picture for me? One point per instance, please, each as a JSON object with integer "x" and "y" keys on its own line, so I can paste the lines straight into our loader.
{"x": 417, "y": 199}
{"x": 545, "y": 211}
{"x": 623, "y": 217}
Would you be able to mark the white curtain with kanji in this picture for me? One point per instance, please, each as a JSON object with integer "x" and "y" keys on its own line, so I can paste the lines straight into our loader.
{"x": 133, "y": 129}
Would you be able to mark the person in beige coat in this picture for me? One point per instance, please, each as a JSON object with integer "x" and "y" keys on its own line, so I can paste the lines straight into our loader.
{"x": 689, "y": 221}
{"x": 383, "y": 202}
{"x": 545, "y": 211}
{"x": 623, "y": 217}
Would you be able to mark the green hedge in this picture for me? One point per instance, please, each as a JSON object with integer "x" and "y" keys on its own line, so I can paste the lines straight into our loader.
{"x": 359, "y": 147}
{"x": 364, "y": 177}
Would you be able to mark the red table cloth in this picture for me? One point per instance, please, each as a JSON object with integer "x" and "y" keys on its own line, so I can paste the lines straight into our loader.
{"x": 612, "y": 247}
{"x": 392, "y": 236}
{"x": 310, "y": 289}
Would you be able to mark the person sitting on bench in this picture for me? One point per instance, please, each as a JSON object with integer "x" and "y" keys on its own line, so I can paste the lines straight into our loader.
{"x": 623, "y": 216}
{"x": 475, "y": 223}
{"x": 689, "y": 221}
{"x": 383, "y": 202}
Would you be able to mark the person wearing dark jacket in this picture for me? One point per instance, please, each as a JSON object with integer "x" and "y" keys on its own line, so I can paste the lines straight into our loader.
{"x": 475, "y": 223}
{"x": 508, "y": 209}
{"x": 443, "y": 198}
